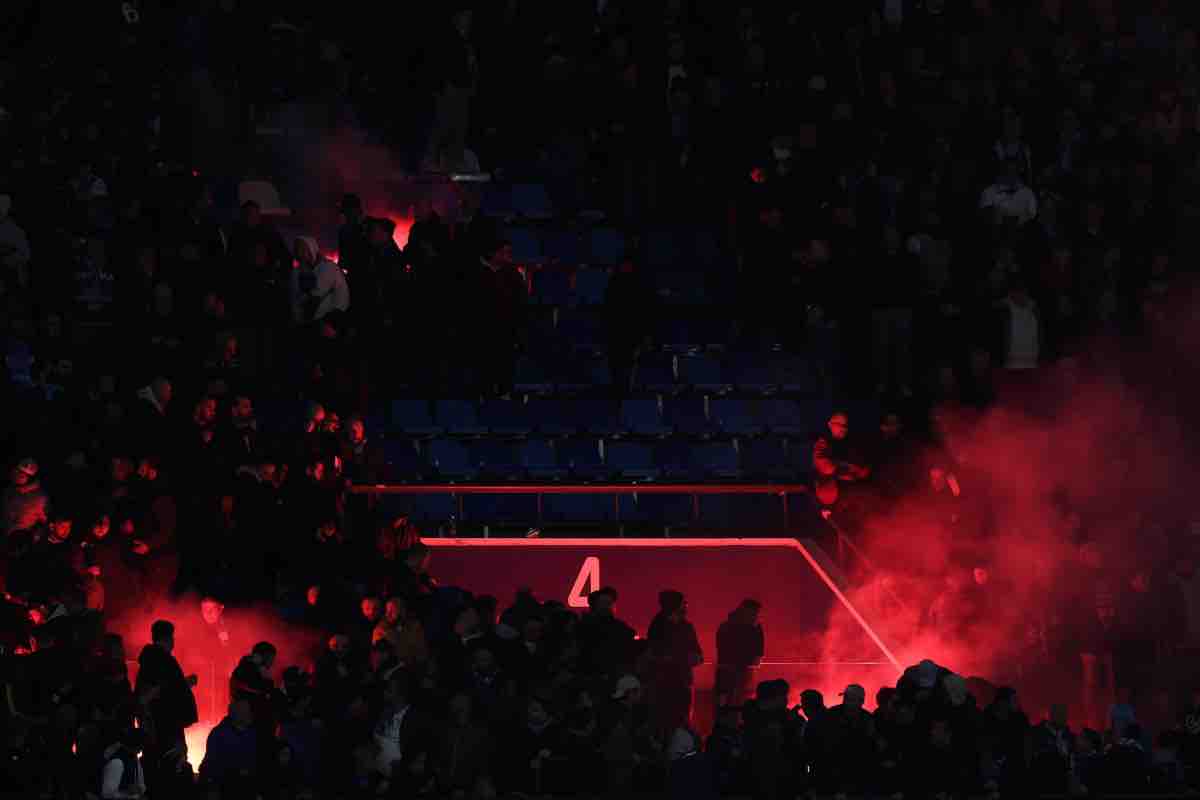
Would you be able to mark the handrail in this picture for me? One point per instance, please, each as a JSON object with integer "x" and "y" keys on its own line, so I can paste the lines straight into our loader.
{"x": 580, "y": 488}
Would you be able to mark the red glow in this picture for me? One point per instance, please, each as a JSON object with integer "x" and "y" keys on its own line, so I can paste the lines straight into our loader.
{"x": 331, "y": 255}
{"x": 403, "y": 223}
{"x": 197, "y": 742}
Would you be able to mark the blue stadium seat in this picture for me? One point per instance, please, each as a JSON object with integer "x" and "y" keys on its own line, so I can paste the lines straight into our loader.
{"x": 663, "y": 249}
{"x": 674, "y": 459}
{"x": 413, "y": 418}
{"x": 526, "y": 246}
{"x": 552, "y": 286}
{"x": 540, "y": 460}
{"x": 765, "y": 459}
{"x": 497, "y": 201}
{"x": 578, "y": 508}
{"x": 531, "y": 200}
{"x": 580, "y": 328}
{"x": 591, "y": 285}
{"x": 532, "y": 377}
{"x": 632, "y": 460}
{"x": 434, "y": 510}
{"x": 655, "y": 373}
{"x": 795, "y": 375}
{"x": 658, "y": 510}
{"x": 676, "y": 335}
{"x": 403, "y": 460}
{"x": 688, "y": 416}
{"x": 506, "y": 417}
{"x": 716, "y": 460}
{"x": 703, "y": 374}
{"x": 562, "y": 247}
{"x": 734, "y": 417}
{"x": 596, "y": 415}
{"x": 682, "y": 287}
{"x": 786, "y": 417}
{"x": 553, "y": 416}
{"x": 459, "y": 418}
{"x": 606, "y": 247}
{"x": 500, "y": 509}
{"x": 497, "y": 459}
{"x": 749, "y": 514}
{"x": 640, "y": 416}
{"x": 582, "y": 458}
{"x": 451, "y": 459}
{"x": 752, "y": 374}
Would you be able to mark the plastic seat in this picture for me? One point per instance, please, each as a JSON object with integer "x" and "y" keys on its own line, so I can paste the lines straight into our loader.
{"x": 562, "y": 247}
{"x": 703, "y": 375}
{"x": 632, "y": 460}
{"x": 451, "y": 459}
{"x": 497, "y": 459}
{"x": 674, "y": 459}
{"x": 749, "y": 514}
{"x": 552, "y": 416}
{"x": 785, "y": 416}
{"x": 716, "y": 460}
{"x": 579, "y": 508}
{"x": 413, "y": 418}
{"x": 596, "y": 415}
{"x": 459, "y": 418}
{"x": 434, "y": 510}
{"x": 581, "y": 329}
{"x": 794, "y": 375}
{"x": 734, "y": 416}
{"x": 531, "y": 200}
{"x": 606, "y": 247}
{"x": 497, "y": 201}
{"x": 591, "y": 285}
{"x": 532, "y": 377}
{"x": 510, "y": 509}
{"x": 505, "y": 417}
{"x": 540, "y": 460}
{"x": 658, "y": 510}
{"x": 526, "y": 247}
{"x": 403, "y": 460}
{"x": 655, "y": 374}
{"x": 662, "y": 249}
{"x": 582, "y": 458}
{"x": 765, "y": 458}
{"x": 752, "y": 374}
{"x": 552, "y": 287}
{"x": 640, "y": 416}
{"x": 688, "y": 415}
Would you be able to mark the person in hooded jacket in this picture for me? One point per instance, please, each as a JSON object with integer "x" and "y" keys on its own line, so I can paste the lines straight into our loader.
{"x": 739, "y": 650}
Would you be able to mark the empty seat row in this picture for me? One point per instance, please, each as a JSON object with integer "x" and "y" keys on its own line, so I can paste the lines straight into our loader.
{"x": 649, "y": 416}
{"x": 596, "y": 459}
{"x": 749, "y": 514}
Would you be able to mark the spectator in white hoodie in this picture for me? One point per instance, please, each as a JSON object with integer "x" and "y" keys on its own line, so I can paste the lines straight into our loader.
{"x": 318, "y": 286}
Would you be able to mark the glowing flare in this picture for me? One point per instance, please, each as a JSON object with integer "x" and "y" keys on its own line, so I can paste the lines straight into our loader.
{"x": 197, "y": 742}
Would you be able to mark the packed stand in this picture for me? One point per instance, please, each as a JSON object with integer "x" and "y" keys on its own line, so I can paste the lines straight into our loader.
{"x": 925, "y": 204}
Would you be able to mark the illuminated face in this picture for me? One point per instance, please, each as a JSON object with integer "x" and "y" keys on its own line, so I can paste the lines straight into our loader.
{"x": 839, "y": 426}
{"x": 394, "y": 611}
{"x": 242, "y": 408}
{"x": 147, "y": 470}
{"x": 981, "y": 576}
{"x": 937, "y": 478}
{"x": 369, "y": 607}
{"x": 60, "y": 530}
{"x": 358, "y": 431}
{"x": 206, "y": 411}
{"x": 101, "y": 527}
{"x": 313, "y": 595}
{"x": 211, "y": 610}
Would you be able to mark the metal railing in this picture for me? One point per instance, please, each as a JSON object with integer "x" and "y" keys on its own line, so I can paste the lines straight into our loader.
{"x": 695, "y": 490}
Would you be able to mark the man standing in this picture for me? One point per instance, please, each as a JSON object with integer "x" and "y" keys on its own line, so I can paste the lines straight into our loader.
{"x": 833, "y": 460}
{"x": 170, "y": 703}
{"x": 674, "y": 653}
{"x": 739, "y": 651}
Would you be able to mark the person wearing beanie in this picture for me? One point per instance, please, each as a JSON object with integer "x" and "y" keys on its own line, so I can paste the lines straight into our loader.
{"x": 674, "y": 652}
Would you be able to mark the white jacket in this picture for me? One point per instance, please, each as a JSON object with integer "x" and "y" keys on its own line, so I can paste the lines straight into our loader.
{"x": 330, "y": 292}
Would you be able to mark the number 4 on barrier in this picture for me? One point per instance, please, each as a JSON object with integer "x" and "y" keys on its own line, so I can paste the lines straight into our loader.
{"x": 586, "y": 582}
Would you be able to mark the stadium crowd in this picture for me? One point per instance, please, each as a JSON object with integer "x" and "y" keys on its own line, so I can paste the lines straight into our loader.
{"x": 938, "y": 204}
